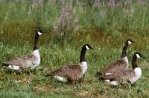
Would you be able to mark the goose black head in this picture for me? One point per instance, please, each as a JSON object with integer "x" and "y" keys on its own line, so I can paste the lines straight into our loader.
{"x": 87, "y": 46}
{"x": 129, "y": 42}
{"x": 83, "y": 52}
{"x": 39, "y": 31}
{"x": 138, "y": 55}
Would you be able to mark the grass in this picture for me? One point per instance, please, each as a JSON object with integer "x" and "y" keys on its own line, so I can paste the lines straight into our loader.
{"x": 104, "y": 27}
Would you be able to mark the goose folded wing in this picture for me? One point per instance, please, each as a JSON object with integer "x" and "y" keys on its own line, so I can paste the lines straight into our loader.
{"x": 71, "y": 72}
{"x": 122, "y": 76}
{"x": 115, "y": 66}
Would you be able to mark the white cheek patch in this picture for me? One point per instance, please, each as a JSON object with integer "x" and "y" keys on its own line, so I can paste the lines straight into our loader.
{"x": 39, "y": 33}
{"x": 87, "y": 47}
{"x": 138, "y": 56}
{"x": 129, "y": 42}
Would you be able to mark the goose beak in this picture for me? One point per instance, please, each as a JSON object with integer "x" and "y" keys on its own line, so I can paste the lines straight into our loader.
{"x": 143, "y": 57}
{"x": 133, "y": 42}
{"x": 91, "y": 47}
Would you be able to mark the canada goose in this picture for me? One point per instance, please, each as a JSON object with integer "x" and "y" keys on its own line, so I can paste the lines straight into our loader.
{"x": 126, "y": 75}
{"x": 122, "y": 63}
{"x": 72, "y": 73}
{"x": 29, "y": 61}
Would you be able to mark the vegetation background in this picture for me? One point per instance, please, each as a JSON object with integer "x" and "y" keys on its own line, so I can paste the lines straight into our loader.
{"x": 67, "y": 25}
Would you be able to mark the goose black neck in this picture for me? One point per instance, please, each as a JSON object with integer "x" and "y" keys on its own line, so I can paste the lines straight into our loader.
{"x": 134, "y": 62}
{"x": 36, "y": 38}
{"x": 82, "y": 55}
{"x": 124, "y": 51}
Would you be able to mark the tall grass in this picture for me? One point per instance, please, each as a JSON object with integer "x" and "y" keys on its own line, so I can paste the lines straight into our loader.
{"x": 67, "y": 25}
{"x": 18, "y": 16}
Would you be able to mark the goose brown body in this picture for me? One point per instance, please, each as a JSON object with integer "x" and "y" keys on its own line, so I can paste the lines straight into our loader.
{"x": 113, "y": 67}
{"x": 22, "y": 62}
{"x": 121, "y": 77}
{"x": 117, "y": 65}
{"x": 29, "y": 61}
{"x": 126, "y": 75}
{"x": 72, "y": 73}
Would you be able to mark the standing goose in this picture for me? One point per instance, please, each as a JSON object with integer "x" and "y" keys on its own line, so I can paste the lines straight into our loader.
{"x": 29, "y": 61}
{"x": 127, "y": 75}
{"x": 72, "y": 73}
{"x": 122, "y": 63}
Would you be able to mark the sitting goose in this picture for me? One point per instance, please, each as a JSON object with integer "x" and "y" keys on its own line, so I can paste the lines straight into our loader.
{"x": 127, "y": 75}
{"x": 29, "y": 61}
{"x": 72, "y": 73}
{"x": 117, "y": 65}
